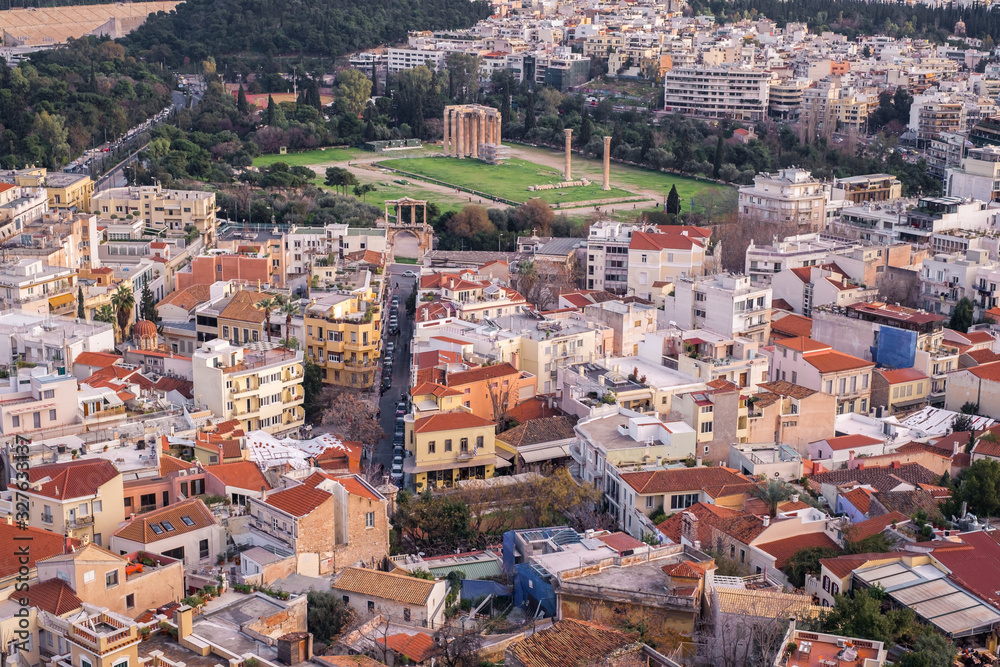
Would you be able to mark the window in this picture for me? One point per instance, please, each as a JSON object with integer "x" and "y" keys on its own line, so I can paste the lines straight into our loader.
{"x": 169, "y": 527}
{"x": 371, "y": 607}
{"x": 743, "y": 555}
{"x": 431, "y": 447}
{"x": 121, "y": 663}
{"x": 706, "y": 427}
{"x": 98, "y": 506}
{"x": 225, "y": 332}
{"x": 834, "y": 588}
{"x": 130, "y": 600}
{"x": 274, "y": 524}
{"x": 683, "y": 501}
{"x": 479, "y": 442}
{"x": 370, "y": 520}
{"x": 84, "y": 662}
{"x": 187, "y": 520}
{"x": 732, "y": 552}
{"x": 49, "y": 393}
{"x": 406, "y": 614}
{"x": 203, "y": 549}
{"x": 111, "y": 579}
{"x": 15, "y": 421}
{"x": 88, "y": 576}
{"x": 346, "y": 598}
{"x": 463, "y": 445}
{"x": 649, "y": 502}
{"x": 447, "y": 445}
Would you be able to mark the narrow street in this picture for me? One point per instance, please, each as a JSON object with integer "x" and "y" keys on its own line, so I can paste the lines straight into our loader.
{"x": 401, "y": 360}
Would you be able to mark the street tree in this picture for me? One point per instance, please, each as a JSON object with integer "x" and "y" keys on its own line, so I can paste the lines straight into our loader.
{"x": 353, "y": 89}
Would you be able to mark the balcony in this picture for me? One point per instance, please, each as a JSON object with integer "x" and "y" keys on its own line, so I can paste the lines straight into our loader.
{"x": 466, "y": 455}
{"x": 77, "y": 523}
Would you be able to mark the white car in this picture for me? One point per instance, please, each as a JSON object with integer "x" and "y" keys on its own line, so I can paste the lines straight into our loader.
{"x": 397, "y": 471}
{"x": 409, "y": 274}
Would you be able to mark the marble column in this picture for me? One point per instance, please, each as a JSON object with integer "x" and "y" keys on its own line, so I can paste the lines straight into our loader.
{"x": 475, "y": 134}
{"x": 607, "y": 164}
{"x": 498, "y": 120}
{"x": 454, "y": 133}
{"x": 568, "y": 171}
{"x": 461, "y": 134}
{"x": 444, "y": 140}
{"x": 413, "y": 214}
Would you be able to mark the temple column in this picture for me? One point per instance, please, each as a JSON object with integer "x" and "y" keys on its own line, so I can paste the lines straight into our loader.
{"x": 444, "y": 140}
{"x": 567, "y": 171}
{"x": 607, "y": 164}
{"x": 461, "y": 135}
{"x": 474, "y": 126}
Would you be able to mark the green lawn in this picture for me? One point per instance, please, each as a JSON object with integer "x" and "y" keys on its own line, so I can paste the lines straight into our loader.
{"x": 647, "y": 181}
{"x": 509, "y": 180}
{"x": 386, "y": 189}
{"x": 306, "y": 158}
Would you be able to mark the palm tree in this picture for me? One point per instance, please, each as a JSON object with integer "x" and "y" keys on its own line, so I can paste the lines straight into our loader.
{"x": 123, "y": 301}
{"x": 527, "y": 278}
{"x": 105, "y": 314}
{"x": 774, "y": 492}
{"x": 267, "y": 304}
{"x": 290, "y": 308}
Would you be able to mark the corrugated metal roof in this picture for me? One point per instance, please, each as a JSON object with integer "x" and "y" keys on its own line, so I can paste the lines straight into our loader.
{"x": 478, "y": 569}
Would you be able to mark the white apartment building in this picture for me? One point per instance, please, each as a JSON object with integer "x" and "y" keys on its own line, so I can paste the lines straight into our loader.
{"x": 978, "y": 177}
{"x": 657, "y": 258}
{"x": 727, "y": 304}
{"x": 933, "y": 215}
{"x": 607, "y": 255}
{"x": 261, "y": 388}
{"x": 790, "y": 195}
{"x": 169, "y": 211}
{"x": 20, "y": 206}
{"x": 802, "y": 250}
{"x": 734, "y": 92}
{"x": 946, "y": 279}
{"x": 37, "y": 288}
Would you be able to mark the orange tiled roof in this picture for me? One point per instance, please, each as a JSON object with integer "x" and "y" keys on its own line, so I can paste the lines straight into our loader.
{"x": 712, "y": 480}
{"x": 299, "y": 500}
{"x": 852, "y": 441}
{"x": 54, "y": 596}
{"x": 832, "y": 361}
{"x": 873, "y": 526}
{"x": 569, "y": 643}
{"x": 782, "y": 550}
{"x": 167, "y": 522}
{"x": 43, "y": 544}
{"x": 241, "y": 475}
{"x": 450, "y": 421}
{"x": 72, "y": 479}
{"x": 418, "y": 647}
{"x": 97, "y": 359}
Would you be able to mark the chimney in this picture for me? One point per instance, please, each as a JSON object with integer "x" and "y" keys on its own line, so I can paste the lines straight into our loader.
{"x": 766, "y": 519}
{"x": 183, "y": 617}
{"x": 689, "y": 529}
{"x": 263, "y": 493}
{"x": 896, "y": 464}
{"x": 794, "y": 497}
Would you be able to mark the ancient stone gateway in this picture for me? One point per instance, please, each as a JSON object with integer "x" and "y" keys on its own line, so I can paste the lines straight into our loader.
{"x": 468, "y": 129}
{"x": 407, "y": 223}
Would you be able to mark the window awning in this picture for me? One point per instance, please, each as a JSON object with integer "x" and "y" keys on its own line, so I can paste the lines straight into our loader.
{"x": 61, "y": 300}
{"x": 545, "y": 454}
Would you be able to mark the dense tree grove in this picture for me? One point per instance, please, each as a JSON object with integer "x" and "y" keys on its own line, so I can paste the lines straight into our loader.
{"x": 232, "y": 30}
{"x": 62, "y": 101}
{"x": 857, "y": 17}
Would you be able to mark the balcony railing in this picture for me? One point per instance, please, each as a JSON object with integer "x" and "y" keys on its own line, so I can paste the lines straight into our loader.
{"x": 80, "y": 522}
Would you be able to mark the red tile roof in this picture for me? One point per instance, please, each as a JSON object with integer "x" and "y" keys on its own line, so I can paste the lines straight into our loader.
{"x": 860, "y": 498}
{"x": 241, "y": 475}
{"x": 715, "y": 481}
{"x": 984, "y": 356}
{"x": 708, "y": 516}
{"x": 842, "y": 566}
{"x": 96, "y": 359}
{"x": 450, "y": 421}
{"x": 853, "y": 441}
{"x": 833, "y": 361}
{"x": 54, "y": 596}
{"x": 792, "y": 325}
{"x": 742, "y": 527}
{"x": 351, "y": 483}
{"x": 42, "y": 543}
{"x": 865, "y": 529}
{"x": 532, "y": 409}
{"x": 141, "y": 528}
{"x": 782, "y": 550}
{"x": 976, "y": 569}
{"x": 418, "y": 647}
{"x": 902, "y": 375}
{"x": 802, "y": 344}
{"x": 990, "y": 372}
{"x": 73, "y": 479}
{"x": 480, "y": 374}
{"x": 620, "y": 541}
{"x": 299, "y": 500}
{"x": 657, "y": 242}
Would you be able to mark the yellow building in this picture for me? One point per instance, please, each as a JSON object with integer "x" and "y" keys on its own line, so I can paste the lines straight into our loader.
{"x": 262, "y": 389}
{"x": 344, "y": 336}
{"x": 79, "y": 499}
{"x": 65, "y": 190}
{"x": 161, "y": 210}
{"x": 448, "y": 447}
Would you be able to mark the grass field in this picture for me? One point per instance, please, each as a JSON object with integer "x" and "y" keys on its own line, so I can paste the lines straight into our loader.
{"x": 306, "y": 158}
{"x": 386, "y": 188}
{"x": 509, "y": 180}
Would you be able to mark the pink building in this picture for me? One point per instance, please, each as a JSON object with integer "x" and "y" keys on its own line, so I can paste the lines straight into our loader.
{"x": 208, "y": 269}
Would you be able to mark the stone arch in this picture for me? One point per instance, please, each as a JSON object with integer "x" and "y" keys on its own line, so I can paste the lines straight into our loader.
{"x": 406, "y": 225}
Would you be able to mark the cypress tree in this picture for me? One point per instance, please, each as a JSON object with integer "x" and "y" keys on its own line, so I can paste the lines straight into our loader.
{"x": 719, "y": 148}
{"x": 529, "y": 114}
{"x": 242, "y": 105}
{"x": 586, "y": 128}
{"x": 673, "y": 201}
{"x": 79, "y": 303}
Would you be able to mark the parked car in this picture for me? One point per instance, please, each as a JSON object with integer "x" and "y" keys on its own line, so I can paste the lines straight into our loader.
{"x": 397, "y": 472}
{"x": 409, "y": 274}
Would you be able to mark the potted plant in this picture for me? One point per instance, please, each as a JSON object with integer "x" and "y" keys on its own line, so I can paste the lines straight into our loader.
{"x": 105, "y": 448}
{"x": 144, "y": 632}
{"x": 220, "y": 559}
{"x": 75, "y": 453}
